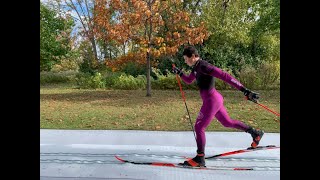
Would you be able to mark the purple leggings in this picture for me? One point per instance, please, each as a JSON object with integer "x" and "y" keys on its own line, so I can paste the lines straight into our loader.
{"x": 213, "y": 107}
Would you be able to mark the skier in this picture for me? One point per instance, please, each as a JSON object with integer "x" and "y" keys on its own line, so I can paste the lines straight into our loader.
{"x": 212, "y": 102}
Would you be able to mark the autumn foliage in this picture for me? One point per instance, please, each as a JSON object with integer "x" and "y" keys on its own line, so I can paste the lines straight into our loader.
{"x": 116, "y": 64}
{"x": 154, "y": 26}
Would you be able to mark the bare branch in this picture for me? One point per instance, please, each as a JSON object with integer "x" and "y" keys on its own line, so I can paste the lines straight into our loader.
{"x": 75, "y": 9}
{"x": 90, "y": 20}
{"x": 83, "y": 13}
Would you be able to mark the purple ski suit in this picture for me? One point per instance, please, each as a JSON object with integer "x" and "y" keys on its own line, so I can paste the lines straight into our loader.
{"x": 212, "y": 105}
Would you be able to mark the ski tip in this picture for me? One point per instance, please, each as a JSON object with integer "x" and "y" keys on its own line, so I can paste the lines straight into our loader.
{"x": 119, "y": 158}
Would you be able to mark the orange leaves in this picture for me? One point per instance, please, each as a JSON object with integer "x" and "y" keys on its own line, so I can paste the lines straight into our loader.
{"x": 148, "y": 13}
{"x": 176, "y": 35}
{"x": 157, "y": 40}
{"x": 134, "y": 19}
{"x": 116, "y": 4}
{"x": 117, "y": 64}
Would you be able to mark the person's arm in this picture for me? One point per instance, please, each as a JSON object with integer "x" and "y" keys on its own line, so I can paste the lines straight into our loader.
{"x": 226, "y": 77}
{"x": 188, "y": 79}
{"x": 219, "y": 73}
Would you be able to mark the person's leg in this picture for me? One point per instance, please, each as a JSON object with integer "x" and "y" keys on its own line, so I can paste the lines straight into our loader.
{"x": 206, "y": 114}
{"x": 210, "y": 106}
{"x": 226, "y": 121}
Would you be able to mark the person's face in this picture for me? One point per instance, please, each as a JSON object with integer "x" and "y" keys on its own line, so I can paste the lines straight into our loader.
{"x": 189, "y": 60}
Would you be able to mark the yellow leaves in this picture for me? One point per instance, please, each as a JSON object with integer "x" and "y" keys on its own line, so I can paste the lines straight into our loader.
{"x": 138, "y": 57}
{"x": 156, "y": 53}
{"x": 158, "y": 40}
{"x": 162, "y": 50}
{"x": 148, "y": 13}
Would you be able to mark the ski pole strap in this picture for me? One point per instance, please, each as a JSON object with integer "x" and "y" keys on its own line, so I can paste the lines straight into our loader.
{"x": 178, "y": 79}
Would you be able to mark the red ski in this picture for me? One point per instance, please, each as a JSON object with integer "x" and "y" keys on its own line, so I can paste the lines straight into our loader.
{"x": 176, "y": 165}
{"x": 243, "y": 151}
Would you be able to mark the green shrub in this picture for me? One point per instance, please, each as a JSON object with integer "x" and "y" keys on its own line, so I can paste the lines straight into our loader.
{"x": 165, "y": 82}
{"x": 87, "y": 81}
{"x": 134, "y": 69}
{"x": 110, "y": 78}
{"x": 57, "y": 77}
{"x": 248, "y": 77}
{"x": 269, "y": 75}
{"x": 128, "y": 82}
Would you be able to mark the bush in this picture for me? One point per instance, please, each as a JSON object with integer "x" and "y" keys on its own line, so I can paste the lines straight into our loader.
{"x": 57, "y": 77}
{"x": 169, "y": 81}
{"x": 266, "y": 76}
{"x": 110, "y": 79}
{"x": 269, "y": 75}
{"x": 86, "y": 80}
{"x": 134, "y": 69}
{"x": 248, "y": 77}
{"x": 165, "y": 82}
{"x": 128, "y": 82}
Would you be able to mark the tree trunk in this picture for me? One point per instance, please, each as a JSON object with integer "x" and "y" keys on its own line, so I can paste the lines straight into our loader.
{"x": 148, "y": 75}
{"x": 148, "y": 56}
{"x": 110, "y": 53}
{"x": 94, "y": 47}
{"x": 124, "y": 49}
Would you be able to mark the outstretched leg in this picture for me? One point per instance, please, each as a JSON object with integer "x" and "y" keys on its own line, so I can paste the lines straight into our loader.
{"x": 226, "y": 121}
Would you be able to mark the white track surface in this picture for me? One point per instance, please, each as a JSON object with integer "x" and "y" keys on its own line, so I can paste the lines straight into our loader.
{"x": 89, "y": 155}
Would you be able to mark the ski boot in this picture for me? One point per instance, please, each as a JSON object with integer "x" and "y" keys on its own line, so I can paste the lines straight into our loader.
{"x": 197, "y": 161}
{"x": 256, "y": 136}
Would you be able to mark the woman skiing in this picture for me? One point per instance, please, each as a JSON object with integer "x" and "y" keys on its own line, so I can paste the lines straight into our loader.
{"x": 204, "y": 74}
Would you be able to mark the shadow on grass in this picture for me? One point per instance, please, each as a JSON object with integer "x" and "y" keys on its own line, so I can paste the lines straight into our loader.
{"x": 119, "y": 97}
{"x": 129, "y": 98}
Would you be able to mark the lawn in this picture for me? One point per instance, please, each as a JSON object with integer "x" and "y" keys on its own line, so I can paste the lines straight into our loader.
{"x": 64, "y": 107}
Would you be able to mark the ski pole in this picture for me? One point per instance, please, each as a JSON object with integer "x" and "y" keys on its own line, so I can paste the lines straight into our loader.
{"x": 268, "y": 109}
{"x": 184, "y": 99}
{"x": 265, "y": 107}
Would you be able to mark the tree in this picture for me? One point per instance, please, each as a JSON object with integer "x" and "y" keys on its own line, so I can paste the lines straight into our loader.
{"x": 54, "y": 37}
{"x": 239, "y": 33}
{"x": 157, "y": 28}
{"x": 81, "y": 11}
{"x": 269, "y": 17}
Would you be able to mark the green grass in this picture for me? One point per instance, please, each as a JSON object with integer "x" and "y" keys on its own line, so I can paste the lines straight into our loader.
{"x": 64, "y": 107}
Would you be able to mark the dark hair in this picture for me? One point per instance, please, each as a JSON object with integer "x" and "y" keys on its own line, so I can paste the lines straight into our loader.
{"x": 189, "y": 50}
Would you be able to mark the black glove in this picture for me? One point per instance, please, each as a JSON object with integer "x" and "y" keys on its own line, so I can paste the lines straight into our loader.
{"x": 252, "y": 96}
{"x": 177, "y": 71}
